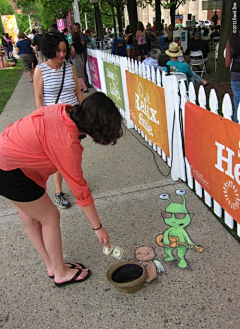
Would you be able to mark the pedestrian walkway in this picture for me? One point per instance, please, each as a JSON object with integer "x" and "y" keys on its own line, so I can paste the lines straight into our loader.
{"x": 126, "y": 184}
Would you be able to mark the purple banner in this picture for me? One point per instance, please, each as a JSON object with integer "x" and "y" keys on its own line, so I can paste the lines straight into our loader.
{"x": 94, "y": 72}
{"x": 60, "y": 24}
{"x": 65, "y": 22}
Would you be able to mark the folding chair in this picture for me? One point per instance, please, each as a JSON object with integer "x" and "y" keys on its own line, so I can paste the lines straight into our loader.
{"x": 181, "y": 76}
{"x": 215, "y": 42}
{"x": 216, "y": 56}
{"x": 196, "y": 59}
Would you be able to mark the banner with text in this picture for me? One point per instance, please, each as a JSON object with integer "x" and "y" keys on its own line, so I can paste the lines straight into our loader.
{"x": 63, "y": 23}
{"x": 114, "y": 83}
{"x": 148, "y": 110}
{"x": 94, "y": 71}
{"x": 10, "y": 26}
{"x": 212, "y": 147}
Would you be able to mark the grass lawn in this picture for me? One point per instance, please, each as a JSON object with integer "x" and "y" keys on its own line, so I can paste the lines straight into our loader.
{"x": 8, "y": 81}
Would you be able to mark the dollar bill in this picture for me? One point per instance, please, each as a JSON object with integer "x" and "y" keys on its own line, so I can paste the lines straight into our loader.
{"x": 117, "y": 252}
{"x": 107, "y": 251}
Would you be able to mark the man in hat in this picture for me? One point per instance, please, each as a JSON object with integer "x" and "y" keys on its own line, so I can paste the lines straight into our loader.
{"x": 175, "y": 66}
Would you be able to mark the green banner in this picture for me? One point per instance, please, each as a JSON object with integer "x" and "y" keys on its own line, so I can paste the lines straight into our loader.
{"x": 114, "y": 84}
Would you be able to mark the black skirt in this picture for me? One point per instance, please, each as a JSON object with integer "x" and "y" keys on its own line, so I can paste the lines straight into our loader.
{"x": 14, "y": 185}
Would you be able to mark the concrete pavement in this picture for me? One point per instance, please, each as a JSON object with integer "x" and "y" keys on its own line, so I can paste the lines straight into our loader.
{"x": 125, "y": 184}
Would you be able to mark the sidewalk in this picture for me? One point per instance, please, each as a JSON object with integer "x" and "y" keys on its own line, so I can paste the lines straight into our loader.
{"x": 125, "y": 184}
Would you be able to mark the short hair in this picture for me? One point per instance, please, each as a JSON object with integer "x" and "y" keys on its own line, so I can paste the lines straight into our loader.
{"x": 99, "y": 118}
{"x": 65, "y": 30}
{"x": 34, "y": 31}
{"x": 49, "y": 44}
{"x": 78, "y": 25}
{"x": 176, "y": 39}
{"x": 76, "y": 37}
{"x": 197, "y": 35}
{"x": 155, "y": 53}
{"x": 21, "y": 35}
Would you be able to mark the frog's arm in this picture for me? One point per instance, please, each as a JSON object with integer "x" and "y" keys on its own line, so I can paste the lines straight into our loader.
{"x": 187, "y": 238}
{"x": 166, "y": 240}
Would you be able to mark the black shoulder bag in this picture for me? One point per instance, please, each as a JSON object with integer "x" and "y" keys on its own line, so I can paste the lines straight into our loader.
{"x": 60, "y": 90}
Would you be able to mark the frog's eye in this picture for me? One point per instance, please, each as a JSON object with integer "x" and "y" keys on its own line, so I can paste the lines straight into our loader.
{"x": 164, "y": 196}
{"x": 180, "y": 192}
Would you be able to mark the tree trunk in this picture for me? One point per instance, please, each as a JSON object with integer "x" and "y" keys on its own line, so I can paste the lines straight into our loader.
{"x": 99, "y": 23}
{"x": 132, "y": 13}
{"x": 119, "y": 18}
{"x": 158, "y": 15}
{"x": 223, "y": 73}
{"x": 172, "y": 12}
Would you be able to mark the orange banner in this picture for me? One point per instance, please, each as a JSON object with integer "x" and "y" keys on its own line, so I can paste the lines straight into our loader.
{"x": 212, "y": 146}
{"x": 148, "y": 110}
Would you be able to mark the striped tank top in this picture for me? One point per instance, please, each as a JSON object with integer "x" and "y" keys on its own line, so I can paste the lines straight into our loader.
{"x": 52, "y": 80}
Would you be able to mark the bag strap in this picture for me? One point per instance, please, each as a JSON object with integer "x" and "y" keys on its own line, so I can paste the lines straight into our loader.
{"x": 60, "y": 90}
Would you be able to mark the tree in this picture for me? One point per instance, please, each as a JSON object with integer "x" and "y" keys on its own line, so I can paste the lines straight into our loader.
{"x": 5, "y": 9}
{"x": 49, "y": 10}
{"x": 172, "y": 5}
{"x": 132, "y": 14}
{"x": 158, "y": 14}
{"x": 227, "y": 28}
{"x": 118, "y": 9}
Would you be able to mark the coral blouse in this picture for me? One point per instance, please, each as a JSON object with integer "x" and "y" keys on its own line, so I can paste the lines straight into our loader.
{"x": 43, "y": 142}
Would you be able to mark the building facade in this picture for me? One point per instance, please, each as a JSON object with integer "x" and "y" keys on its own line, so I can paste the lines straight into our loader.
{"x": 191, "y": 7}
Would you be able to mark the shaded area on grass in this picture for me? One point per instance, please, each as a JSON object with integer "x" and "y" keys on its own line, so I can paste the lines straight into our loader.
{"x": 8, "y": 81}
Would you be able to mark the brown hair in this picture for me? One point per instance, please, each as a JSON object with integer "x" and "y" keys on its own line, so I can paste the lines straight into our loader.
{"x": 21, "y": 35}
{"x": 99, "y": 118}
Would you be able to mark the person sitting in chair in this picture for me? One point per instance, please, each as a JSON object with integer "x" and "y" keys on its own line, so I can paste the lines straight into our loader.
{"x": 198, "y": 44}
{"x": 176, "y": 66}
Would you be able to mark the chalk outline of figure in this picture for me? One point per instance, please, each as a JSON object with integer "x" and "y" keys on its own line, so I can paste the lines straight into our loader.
{"x": 176, "y": 216}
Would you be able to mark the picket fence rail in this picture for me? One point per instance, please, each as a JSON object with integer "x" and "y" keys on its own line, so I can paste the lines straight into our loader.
{"x": 176, "y": 97}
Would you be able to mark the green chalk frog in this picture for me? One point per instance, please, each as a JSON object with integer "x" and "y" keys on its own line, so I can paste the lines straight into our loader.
{"x": 178, "y": 218}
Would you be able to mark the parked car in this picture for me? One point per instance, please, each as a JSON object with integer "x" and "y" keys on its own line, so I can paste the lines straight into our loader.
{"x": 203, "y": 23}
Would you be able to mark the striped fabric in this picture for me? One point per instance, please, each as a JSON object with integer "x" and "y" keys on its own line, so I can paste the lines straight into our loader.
{"x": 52, "y": 80}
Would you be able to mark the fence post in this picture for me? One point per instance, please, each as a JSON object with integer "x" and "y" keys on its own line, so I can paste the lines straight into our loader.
{"x": 227, "y": 113}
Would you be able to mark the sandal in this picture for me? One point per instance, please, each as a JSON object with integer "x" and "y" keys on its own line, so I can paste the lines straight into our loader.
{"x": 85, "y": 91}
{"x": 74, "y": 279}
{"x": 73, "y": 265}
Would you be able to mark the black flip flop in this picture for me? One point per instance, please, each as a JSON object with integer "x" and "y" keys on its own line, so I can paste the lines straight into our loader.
{"x": 74, "y": 279}
{"x": 72, "y": 266}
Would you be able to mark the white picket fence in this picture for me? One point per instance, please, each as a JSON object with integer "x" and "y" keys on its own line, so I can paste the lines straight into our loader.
{"x": 175, "y": 99}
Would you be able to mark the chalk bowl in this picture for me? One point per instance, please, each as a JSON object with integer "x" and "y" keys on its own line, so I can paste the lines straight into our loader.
{"x": 127, "y": 276}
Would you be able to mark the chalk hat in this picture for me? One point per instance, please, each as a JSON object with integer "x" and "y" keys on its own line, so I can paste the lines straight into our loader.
{"x": 173, "y": 50}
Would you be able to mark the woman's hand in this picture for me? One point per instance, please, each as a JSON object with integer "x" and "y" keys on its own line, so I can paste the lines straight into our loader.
{"x": 103, "y": 237}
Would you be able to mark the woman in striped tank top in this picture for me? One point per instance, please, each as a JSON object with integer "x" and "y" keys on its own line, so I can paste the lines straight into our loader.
{"x": 47, "y": 83}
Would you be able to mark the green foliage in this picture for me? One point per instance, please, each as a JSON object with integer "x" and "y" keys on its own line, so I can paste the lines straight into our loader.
{"x": 8, "y": 81}
{"x": 5, "y": 9}
{"x": 169, "y": 3}
{"x": 22, "y": 22}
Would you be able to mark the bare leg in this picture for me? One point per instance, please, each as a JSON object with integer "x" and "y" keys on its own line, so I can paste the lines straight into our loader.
{"x": 82, "y": 84}
{"x": 34, "y": 231}
{"x": 46, "y": 236}
{"x": 29, "y": 73}
{"x": 132, "y": 53}
{"x": 58, "y": 181}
